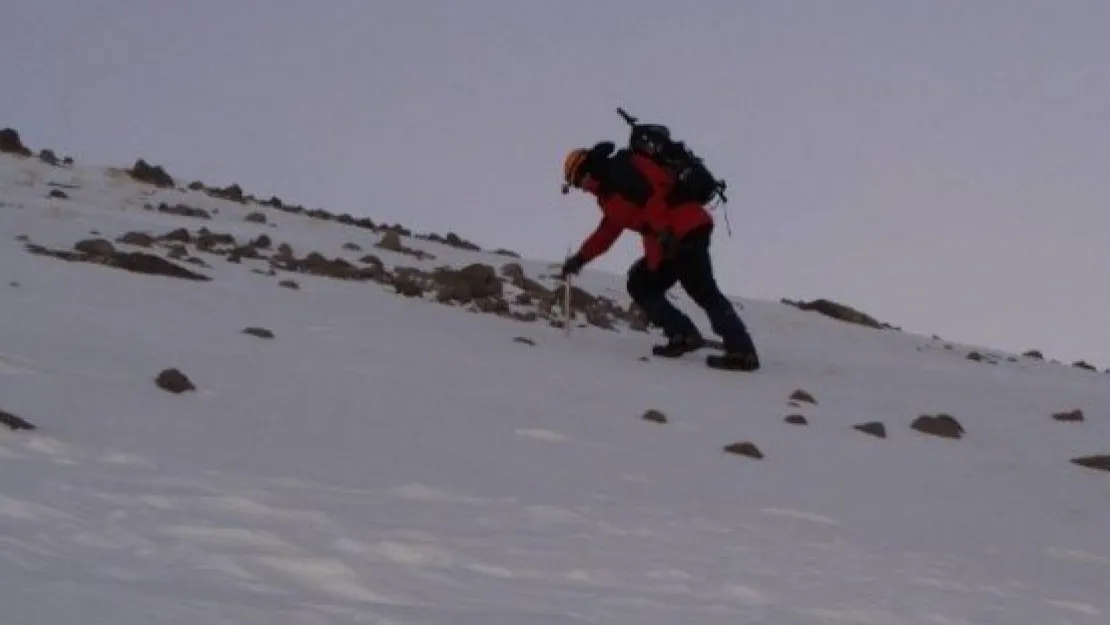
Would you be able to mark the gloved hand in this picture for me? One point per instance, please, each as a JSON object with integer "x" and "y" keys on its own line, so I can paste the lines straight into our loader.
{"x": 571, "y": 266}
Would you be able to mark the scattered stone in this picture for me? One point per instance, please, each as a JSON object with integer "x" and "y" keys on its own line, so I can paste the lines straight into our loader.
{"x": 835, "y": 310}
{"x": 505, "y": 252}
{"x": 1083, "y": 364}
{"x": 178, "y": 235}
{"x": 525, "y": 340}
{"x": 976, "y": 356}
{"x": 183, "y": 210}
{"x": 140, "y": 239}
{"x": 744, "y": 448}
{"x": 14, "y": 422}
{"x": 58, "y": 194}
{"x": 352, "y": 247}
{"x": 1035, "y": 354}
{"x": 391, "y": 241}
{"x": 1100, "y": 462}
{"x": 289, "y": 284}
{"x": 49, "y": 157}
{"x": 261, "y": 333}
{"x": 874, "y": 428}
{"x": 10, "y": 143}
{"x": 941, "y": 425}
{"x": 262, "y": 242}
{"x": 174, "y": 381}
{"x": 233, "y": 193}
{"x": 796, "y": 419}
{"x": 255, "y": 218}
{"x": 95, "y": 247}
{"x": 1069, "y": 415}
{"x": 655, "y": 416}
{"x": 802, "y": 396}
{"x": 142, "y": 171}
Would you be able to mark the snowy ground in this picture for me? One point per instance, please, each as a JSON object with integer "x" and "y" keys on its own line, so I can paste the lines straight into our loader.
{"x": 389, "y": 460}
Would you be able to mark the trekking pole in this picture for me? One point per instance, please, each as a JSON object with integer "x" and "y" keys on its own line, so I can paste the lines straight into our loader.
{"x": 567, "y": 312}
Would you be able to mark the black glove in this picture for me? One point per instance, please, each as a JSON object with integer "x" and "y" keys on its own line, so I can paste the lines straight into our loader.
{"x": 571, "y": 266}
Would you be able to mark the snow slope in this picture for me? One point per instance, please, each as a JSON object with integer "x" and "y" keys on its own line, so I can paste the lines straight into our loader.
{"x": 391, "y": 460}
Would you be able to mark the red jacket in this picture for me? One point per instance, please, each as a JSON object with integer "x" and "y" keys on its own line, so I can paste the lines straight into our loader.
{"x": 631, "y": 191}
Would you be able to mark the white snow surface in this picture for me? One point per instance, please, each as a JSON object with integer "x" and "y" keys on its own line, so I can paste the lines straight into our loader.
{"x": 392, "y": 460}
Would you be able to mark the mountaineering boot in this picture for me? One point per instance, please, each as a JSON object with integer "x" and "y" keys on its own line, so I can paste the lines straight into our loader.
{"x": 733, "y": 361}
{"x": 679, "y": 345}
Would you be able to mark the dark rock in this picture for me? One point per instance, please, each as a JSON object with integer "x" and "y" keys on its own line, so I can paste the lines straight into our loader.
{"x": 10, "y": 143}
{"x": 1082, "y": 364}
{"x": 796, "y": 419}
{"x": 140, "y": 239}
{"x": 49, "y": 157}
{"x": 1075, "y": 415}
{"x": 184, "y": 211}
{"x": 261, "y": 333}
{"x": 802, "y": 396}
{"x": 874, "y": 428}
{"x": 58, "y": 194}
{"x": 289, "y": 284}
{"x": 255, "y": 217}
{"x": 174, "y": 381}
{"x": 14, "y": 422}
{"x": 1034, "y": 354}
{"x": 941, "y": 425}
{"x": 1100, "y": 463}
{"x": 655, "y": 416}
{"x": 525, "y": 340}
{"x": 842, "y": 312}
{"x": 142, "y": 171}
{"x": 744, "y": 448}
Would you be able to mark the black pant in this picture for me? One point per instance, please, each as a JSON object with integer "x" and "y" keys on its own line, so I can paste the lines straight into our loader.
{"x": 690, "y": 265}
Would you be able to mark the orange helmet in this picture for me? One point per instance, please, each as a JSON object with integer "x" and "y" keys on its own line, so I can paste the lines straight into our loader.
{"x": 572, "y": 167}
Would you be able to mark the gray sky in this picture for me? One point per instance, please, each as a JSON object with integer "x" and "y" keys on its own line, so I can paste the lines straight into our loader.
{"x": 943, "y": 165}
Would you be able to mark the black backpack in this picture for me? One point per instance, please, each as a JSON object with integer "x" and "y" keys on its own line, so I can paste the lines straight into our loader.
{"x": 693, "y": 180}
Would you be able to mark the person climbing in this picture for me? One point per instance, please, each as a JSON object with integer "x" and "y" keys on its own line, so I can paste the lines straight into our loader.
{"x": 635, "y": 192}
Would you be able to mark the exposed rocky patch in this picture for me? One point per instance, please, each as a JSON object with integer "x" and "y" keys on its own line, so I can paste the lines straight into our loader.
{"x": 231, "y": 193}
{"x": 11, "y": 143}
{"x": 654, "y": 416}
{"x": 14, "y": 422}
{"x": 155, "y": 175}
{"x": 183, "y": 210}
{"x": 139, "y": 239}
{"x": 262, "y": 333}
{"x": 839, "y": 311}
{"x": 57, "y": 194}
{"x": 523, "y": 339}
{"x": 391, "y": 241}
{"x": 1074, "y": 416}
{"x": 1100, "y": 462}
{"x": 289, "y": 284}
{"x": 744, "y": 448}
{"x": 174, "y": 381}
{"x": 796, "y": 419}
{"x": 1083, "y": 364}
{"x": 451, "y": 240}
{"x": 942, "y": 425}
{"x": 802, "y": 396}
{"x": 102, "y": 252}
{"x": 1035, "y": 354}
{"x": 255, "y": 218}
{"x": 874, "y": 428}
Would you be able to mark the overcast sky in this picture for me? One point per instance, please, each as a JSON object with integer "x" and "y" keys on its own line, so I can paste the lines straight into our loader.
{"x": 942, "y": 165}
